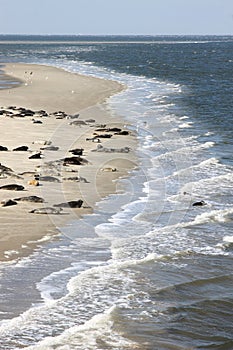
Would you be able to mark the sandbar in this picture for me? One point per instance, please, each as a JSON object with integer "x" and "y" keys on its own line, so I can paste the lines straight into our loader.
{"x": 53, "y": 112}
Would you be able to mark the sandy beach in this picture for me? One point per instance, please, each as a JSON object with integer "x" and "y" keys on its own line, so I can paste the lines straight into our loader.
{"x": 50, "y": 114}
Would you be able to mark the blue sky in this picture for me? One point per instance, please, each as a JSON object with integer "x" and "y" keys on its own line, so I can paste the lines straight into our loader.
{"x": 148, "y": 17}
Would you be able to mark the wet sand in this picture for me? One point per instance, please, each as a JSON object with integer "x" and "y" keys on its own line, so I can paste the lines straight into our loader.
{"x": 85, "y": 123}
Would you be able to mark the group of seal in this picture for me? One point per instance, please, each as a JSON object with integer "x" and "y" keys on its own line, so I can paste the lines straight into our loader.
{"x": 57, "y": 208}
{"x": 21, "y": 112}
{"x": 53, "y": 167}
{"x": 20, "y": 148}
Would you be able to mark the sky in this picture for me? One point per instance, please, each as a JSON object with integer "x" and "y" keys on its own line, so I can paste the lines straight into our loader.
{"x": 109, "y": 17}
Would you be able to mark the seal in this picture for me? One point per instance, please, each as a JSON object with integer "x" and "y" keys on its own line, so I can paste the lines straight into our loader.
{"x": 48, "y": 210}
{"x": 74, "y": 161}
{"x": 33, "y": 182}
{"x": 123, "y": 132}
{"x": 8, "y": 203}
{"x": 12, "y": 187}
{"x": 36, "y": 121}
{"x": 71, "y": 204}
{"x": 103, "y": 136}
{"x": 34, "y": 199}
{"x": 109, "y": 169}
{"x": 27, "y": 173}
{"x": 35, "y": 156}
{"x": 100, "y": 148}
{"x": 78, "y": 122}
{"x": 21, "y": 148}
{"x": 42, "y": 142}
{"x": 76, "y": 178}
{"x": 3, "y": 148}
{"x": 77, "y": 151}
{"x": 49, "y": 179}
{"x": 199, "y": 204}
{"x": 50, "y": 148}
{"x": 5, "y": 169}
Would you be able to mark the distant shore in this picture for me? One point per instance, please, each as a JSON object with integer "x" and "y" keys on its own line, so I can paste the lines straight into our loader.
{"x": 65, "y": 112}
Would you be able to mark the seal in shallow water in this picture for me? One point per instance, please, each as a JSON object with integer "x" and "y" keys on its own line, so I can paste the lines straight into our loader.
{"x": 12, "y": 187}
{"x": 199, "y": 204}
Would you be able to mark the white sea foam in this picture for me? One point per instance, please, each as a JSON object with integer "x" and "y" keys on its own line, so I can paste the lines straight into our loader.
{"x": 228, "y": 239}
{"x": 99, "y": 329}
{"x": 213, "y": 216}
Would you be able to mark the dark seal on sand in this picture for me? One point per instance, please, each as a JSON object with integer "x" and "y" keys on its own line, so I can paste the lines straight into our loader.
{"x": 3, "y": 148}
{"x": 34, "y": 199}
{"x": 35, "y": 156}
{"x": 8, "y": 203}
{"x": 70, "y": 204}
{"x": 77, "y": 151}
{"x": 74, "y": 161}
{"x": 12, "y": 187}
{"x": 21, "y": 148}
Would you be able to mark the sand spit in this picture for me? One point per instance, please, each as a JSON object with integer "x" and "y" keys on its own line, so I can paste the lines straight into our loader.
{"x": 51, "y": 171}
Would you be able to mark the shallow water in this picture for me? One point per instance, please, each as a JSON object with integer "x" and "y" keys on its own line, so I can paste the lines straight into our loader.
{"x": 147, "y": 270}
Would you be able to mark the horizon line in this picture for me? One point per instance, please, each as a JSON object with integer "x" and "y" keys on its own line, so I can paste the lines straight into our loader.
{"x": 110, "y": 35}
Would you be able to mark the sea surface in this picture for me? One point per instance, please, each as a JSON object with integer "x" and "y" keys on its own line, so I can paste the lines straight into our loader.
{"x": 148, "y": 270}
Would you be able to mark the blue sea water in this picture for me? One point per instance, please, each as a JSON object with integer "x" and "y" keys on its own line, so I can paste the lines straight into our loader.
{"x": 148, "y": 270}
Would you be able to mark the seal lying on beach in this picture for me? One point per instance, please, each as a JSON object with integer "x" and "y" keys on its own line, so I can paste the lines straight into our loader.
{"x": 3, "y": 148}
{"x": 77, "y": 151}
{"x": 74, "y": 161}
{"x": 42, "y": 142}
{"x": 21, "y": 148}
{"x": 93, "y": 139}
{"x": 50, "y": 148}
{"x": 48, "y": 178}
{"x": 5, "y": 169}
{"x": 34, "y": 199}
{"x": 109, "y": 169}
{"x": 76, "y": 178}
{"x": 103, "y": 136}
{"x": 33, "y": 182}
{"x": 35, "y": 156}
{"x": 48, "y": 210}
{"x": 123, "y": 132}
{"x": 12, "y": 187}
{"x": 78, "y": 122}
{"x": 36, "y": 121}
{"x": 100, "y": 148}
{"x": 8, "y": 203}
{"x": 70, "y": 204}
{"x": 73, "y": 116}
{"x": 109, "y": 129}
{"x": 27, "y": 173}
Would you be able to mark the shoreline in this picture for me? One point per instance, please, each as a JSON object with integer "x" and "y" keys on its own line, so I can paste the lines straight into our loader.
{"x": 53, "y": 90}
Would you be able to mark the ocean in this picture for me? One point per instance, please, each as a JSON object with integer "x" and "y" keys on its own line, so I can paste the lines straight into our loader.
{"x": 148, "y": 270}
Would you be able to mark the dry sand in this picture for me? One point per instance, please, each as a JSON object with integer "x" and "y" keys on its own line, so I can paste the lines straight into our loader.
{"x": 51, "y": 89}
